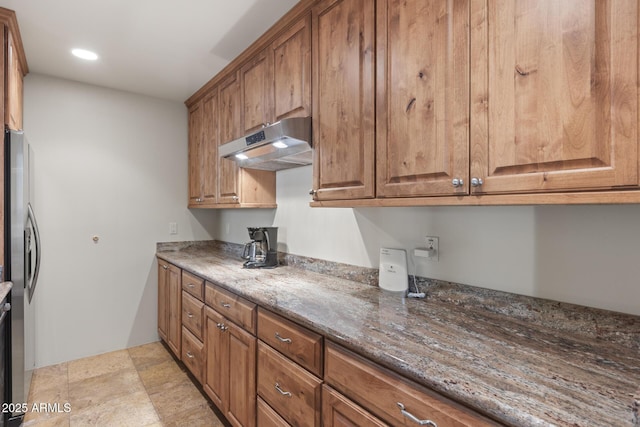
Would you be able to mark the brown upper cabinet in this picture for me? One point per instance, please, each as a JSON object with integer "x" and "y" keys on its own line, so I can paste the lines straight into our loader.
{"x": 555, "y": 95}
{"x": 343, "y": 99}
{"x": 272, "y": 84}
{"x": 15, "y": 68}
{"x": 422, "y": 101}
{"x": 291, "y": 58}
{"x": 513, "y": 102}
{"x": 472, "y": 101}
{"x": 230, "y": 129}
{"x": 203, "y": 151}
{"x": 257, "y": 92}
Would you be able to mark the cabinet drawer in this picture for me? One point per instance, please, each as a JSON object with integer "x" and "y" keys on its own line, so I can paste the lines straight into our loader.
{"x": 337, "y": 410}
{"x": 233, "y": 307}
{"x": 379, "y": 391}
{"x": 289, "y": 389}
{"x": 267, "y": 417}
{"x": 193, "y": 284}
{"x": 192, "y": 313}
{"x": 300, "y": 344}
{"x": 192, "y": 353}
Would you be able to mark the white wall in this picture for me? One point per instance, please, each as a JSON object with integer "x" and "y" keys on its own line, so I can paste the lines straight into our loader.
{"x": 588, "y": 255}
{"x": 111, "y": 164}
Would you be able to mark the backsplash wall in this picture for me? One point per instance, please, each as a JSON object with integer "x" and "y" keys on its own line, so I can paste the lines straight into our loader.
{"x": 585, "y": 255}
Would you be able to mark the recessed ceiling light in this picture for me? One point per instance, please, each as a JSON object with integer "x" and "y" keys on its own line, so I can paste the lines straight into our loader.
{"x": 85, "y": 54}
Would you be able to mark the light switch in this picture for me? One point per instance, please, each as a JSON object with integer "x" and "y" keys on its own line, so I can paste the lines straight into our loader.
{"x": 173, "y": 228}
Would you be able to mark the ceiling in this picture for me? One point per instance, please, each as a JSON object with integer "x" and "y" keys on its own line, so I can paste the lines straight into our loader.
{"x": 162, "y": 48}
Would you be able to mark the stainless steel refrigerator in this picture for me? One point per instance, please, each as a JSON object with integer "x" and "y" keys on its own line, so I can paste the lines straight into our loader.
{"x": 22, "y": 263}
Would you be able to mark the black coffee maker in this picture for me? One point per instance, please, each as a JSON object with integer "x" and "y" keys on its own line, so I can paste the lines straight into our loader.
{"x": 261, "y": 251}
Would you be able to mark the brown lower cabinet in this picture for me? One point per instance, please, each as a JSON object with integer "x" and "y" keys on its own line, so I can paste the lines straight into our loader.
{"x": 338, "y": 411}
{"x": 170, "y": 305}
{"x": 285, "y": 374}
{"x": 230, "y": 373}
{"x": 267, "y": 417}
{"x": 292, "y": 391}
{"x": 390, "y": 397}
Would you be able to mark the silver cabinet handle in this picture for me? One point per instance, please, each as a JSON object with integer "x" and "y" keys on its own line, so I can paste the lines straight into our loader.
{"x": 166, "y": 267}
{"x": 189, "y": 315}
{"x": 456, "y": 182}
{"x": 235, "y": 198}
{"x": 414, "y": 418}
{"x": 190, "y": 285}
{"x": 282, "y": 392}
{"x": 313, "y": 192}
{"x": 225, "y": 304}
{"x": 476, "y": 182}
{"x": 222, "y": 326}
{"x": 285, "y": 340}
{"x": 189, "y": 355}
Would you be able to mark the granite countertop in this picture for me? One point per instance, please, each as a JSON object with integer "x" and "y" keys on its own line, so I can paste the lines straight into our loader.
{"x": 5, "y": 287}
{"x": 517, "y": 371}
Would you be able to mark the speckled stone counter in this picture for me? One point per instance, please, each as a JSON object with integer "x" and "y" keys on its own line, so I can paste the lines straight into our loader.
{"x": 522, "y": 361}
{"x": 5, "y": 288}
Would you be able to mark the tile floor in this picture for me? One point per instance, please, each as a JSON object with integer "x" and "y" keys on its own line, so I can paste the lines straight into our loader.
{"x": 140, "y": 386}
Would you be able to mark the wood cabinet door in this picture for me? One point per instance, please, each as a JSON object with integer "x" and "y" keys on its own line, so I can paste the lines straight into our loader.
{"x": 241, "y": 407}
{"x": 338, "y": 411}
{"x": 216, "y": 375}
{"x": 422, "y": 100}
{"x": 163, "y": 313}
{"x": 209, "y": 150}
{"x": 174, "y": 298}
{"x": 14, "y": 83}
{"x": 343, "y": 38}
{"x": 230, "y": 129}
{"x": 291, "y": 56}
{"x": 14, "y": 80}
{"x": 195, "y": 154}
{"x": 256, "y": 85}
{"x": 554, "y": 89}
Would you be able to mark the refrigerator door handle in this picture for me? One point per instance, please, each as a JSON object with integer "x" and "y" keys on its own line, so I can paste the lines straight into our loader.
{"x": 34, "y": 224}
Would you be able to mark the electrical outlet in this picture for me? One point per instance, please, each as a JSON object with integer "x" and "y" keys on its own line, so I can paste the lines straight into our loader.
{"x": 433, "y": 248}
{"x": 173, "y": 228}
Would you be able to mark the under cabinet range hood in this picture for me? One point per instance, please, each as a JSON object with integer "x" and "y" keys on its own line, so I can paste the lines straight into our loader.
{"x": 282, "y": 145}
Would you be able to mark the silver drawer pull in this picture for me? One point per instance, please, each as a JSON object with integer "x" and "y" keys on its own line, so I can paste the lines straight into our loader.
{"x": 189, "y": 355}
{"x": 414, "y": 418}
{"x": 222, "y": 326}
{"x": 225, "y": 304}
{"x": 166, "y": 267}
{"x": 189, "y": 315}
{"x": 282, "y": 392}
{"x": 285, "y": 340}
{"x": 191, "y": 285}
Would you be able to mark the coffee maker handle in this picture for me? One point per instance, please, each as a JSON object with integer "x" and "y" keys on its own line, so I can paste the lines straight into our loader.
{"x": 245, "y": 251}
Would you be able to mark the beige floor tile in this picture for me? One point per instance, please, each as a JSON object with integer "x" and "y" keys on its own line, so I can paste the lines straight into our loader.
{"x": 134, "y": 410}
{"x": 52, "y": 421}
{"x": 54, "y": 397}
{"x": 99, "y": 365}
{"x": 50, "y": 377}
{"x": 141, "y": 386}
{"x": 163, "y": 376}
{"x": 49, "y": 385}
{"x": 103, "y": 388}
{"x": 197, "y": 417}
{"x": 148, "y": 355}
{"x": 180, "y": 398}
